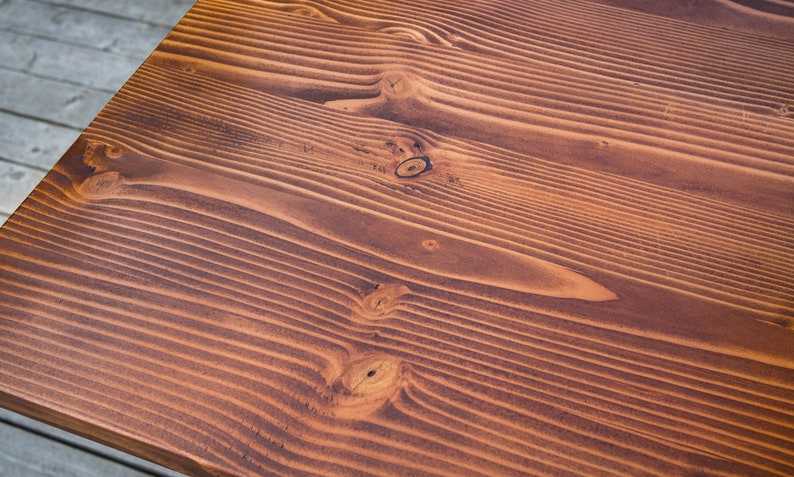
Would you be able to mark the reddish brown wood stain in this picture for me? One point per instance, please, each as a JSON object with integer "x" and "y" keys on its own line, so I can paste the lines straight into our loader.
{"x": 405, "y": 238}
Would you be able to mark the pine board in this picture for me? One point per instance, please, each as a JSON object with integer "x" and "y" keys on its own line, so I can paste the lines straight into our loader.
{"x": 421, "y": 238}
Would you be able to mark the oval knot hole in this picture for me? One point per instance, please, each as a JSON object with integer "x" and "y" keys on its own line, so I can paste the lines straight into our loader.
{"x": 368, "y": 384}
{"x": 412, "y": 167}
{"x": 372, "y": 376}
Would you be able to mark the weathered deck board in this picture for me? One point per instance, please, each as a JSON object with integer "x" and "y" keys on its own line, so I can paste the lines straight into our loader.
{"x": 53, "y": 101}
{"x": 49, "y": 141}
{"x": 164, "y": 13}
{"x": 82, "y": 27}
{"x": 16, "y": 181}
{"x": 408, "y": 238}
{"x": 78, "y": 65}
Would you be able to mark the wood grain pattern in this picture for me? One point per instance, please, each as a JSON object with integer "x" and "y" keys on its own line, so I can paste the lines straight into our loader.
{"x": 408, "y": 238}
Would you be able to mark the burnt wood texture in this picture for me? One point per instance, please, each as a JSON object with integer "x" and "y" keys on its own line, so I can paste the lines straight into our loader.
{"x": 424, "y": 238}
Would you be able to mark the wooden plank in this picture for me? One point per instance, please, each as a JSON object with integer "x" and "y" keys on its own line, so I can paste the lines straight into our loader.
{"x": 157, "y": 12}
{"x": 67, "y": 63}
{"x": 414, "y": 238}
{"x": 649, "y": 115}
{"x": 16, "y": 182}
{"x": 32, "y": 142}
{"x": 80, "y": 27}
{"x": 63, "y": 104}
{"x": 553, "y": 352}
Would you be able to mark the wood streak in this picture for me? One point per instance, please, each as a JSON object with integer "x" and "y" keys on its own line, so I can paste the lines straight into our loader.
{"x": 449, "y": 256}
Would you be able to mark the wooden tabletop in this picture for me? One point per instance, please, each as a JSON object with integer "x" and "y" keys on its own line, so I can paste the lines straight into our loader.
{"x": 425, "y": 237}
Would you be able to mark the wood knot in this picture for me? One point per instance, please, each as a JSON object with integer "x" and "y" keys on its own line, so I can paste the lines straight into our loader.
{"x": 97, "y": 154}
{"x": 417, "y": 34}
{"x": 430, "y": 245}
{"x": 400, "y": 85}
{"x": 412, "y": 167}
{"x": 103, "y": 178}
{"x": 312, "y": 12}
{"x": 368, "y": 384}
{"x": 101, "y": 185}
{"x": 784, "y": 109}
{"x": 411, "y": 34}
{"x": 383, "y": 300}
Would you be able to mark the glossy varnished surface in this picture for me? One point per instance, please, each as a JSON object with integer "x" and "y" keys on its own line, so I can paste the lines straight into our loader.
{"x": 407, "y": 238}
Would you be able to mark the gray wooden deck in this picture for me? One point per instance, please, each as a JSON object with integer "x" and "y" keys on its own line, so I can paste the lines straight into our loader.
{"x": 60, "y": 62}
